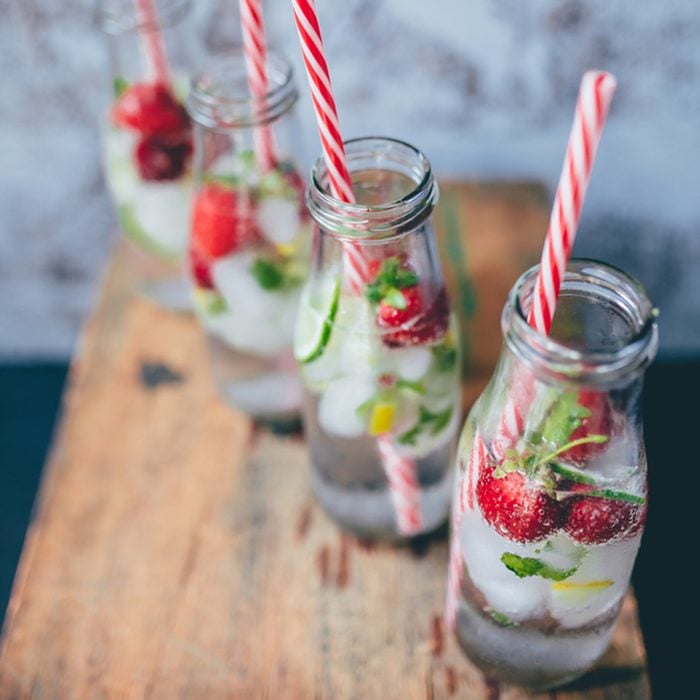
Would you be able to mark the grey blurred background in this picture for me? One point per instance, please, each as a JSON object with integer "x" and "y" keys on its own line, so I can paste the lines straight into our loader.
{"x": 485, "y": 88}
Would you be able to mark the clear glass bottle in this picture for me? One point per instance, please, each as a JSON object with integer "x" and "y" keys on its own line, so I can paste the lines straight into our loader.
{"x": 147, "y": 138}
{"x": 551, "y": 494}
{"x": 250, "y": 234}
{"x": 380, "y": 361}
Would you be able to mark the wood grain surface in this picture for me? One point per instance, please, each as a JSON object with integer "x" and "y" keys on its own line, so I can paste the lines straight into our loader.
{"x": 176, "y": 550}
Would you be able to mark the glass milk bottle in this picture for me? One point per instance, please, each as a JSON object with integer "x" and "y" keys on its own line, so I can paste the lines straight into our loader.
{"x": 378, "y": 353}
{"x": 147, "y": 138}
{"x": 250, "y": 234}
{"x": 551, "y": 493}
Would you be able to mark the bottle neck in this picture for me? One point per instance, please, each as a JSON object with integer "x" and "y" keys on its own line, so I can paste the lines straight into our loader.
{"x": 394, "y": 188}
{"x": 604, "y": 332}
{"x": 116, "y": 17}
{"x": 220, "y": 97}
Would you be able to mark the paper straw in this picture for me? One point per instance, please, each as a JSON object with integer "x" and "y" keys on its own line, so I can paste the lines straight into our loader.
{"x": 401, "y": 472}
{"x": 594, "y": 98}
{"x": 255, "y": 51}
{"x": 595, "y": 94}
{"x": 153, "y": 43}
{"x": 329, "y": 128}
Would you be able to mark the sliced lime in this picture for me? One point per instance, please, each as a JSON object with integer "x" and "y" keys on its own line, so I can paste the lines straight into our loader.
{"x": 133, "y": 229}
{"x": 315, "y": 322}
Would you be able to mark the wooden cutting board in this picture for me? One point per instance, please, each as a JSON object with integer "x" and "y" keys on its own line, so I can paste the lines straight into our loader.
{"x": 176, "y": 550}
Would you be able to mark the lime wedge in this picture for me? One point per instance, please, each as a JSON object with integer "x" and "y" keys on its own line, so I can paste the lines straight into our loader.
{"x": 315, "y": 322}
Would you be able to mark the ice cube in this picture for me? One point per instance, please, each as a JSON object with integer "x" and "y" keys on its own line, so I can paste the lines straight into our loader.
{"x": 163, "y": 211}
{"x": 605, "y": 562}
{"x": 337, "y": 409}
{"x": 278, "y": 219}
{"x": 241, "y": 290}
{"x": 409, "y": 363}
{"x": 506, "y": 593}
{"x": 247, "y": 334}
{"x": 361, "y": 353}
{"x": 267, "y": 395}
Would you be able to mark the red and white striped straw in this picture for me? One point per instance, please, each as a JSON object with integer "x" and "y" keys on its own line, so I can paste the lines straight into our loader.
{"x": 328, "y": 125}
{"x": 594, "y": 98}
{"x": 595, "y": 94}
{"x": 401, "y": 472}
{"x": 255, "y": 51}
{"x": 153, "y": 43}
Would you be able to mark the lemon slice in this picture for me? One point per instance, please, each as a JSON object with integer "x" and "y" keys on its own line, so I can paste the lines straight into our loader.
{"x": 315, "y": 322}
{"x": 580, "y": 591}
{"x": 382, "y": 418}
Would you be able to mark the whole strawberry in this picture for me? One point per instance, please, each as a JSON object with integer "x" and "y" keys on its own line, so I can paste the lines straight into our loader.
{"x": 596, "y": 520}
{"x": 150, "y": 109}
{"x": 223, "y": 221}
{"x": 164, "y": 157}
{"x": 404, "y": 309}
{"x": 517, "y": 507}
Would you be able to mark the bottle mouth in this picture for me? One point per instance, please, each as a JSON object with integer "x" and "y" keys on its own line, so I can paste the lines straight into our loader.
{"x": 393, "y": 183}
{"x": 604, "y": 327}
{"x": 220, "y": 97}
{"x": 116, "y": 17}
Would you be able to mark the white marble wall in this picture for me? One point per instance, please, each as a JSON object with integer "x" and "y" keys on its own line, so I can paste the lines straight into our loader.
{"x": 485, "y": 87}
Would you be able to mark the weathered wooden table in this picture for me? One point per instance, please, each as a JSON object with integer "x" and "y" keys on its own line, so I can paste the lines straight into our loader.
{"x": 176, "y": 550}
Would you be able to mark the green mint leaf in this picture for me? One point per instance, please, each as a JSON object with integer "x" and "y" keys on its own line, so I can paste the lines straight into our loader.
{"x": 226, "y": 180}
{"x": 445, "y": 357}
{"x": 565, "y": 416}
{"x": 410, "y": 436}
{"x": 435, "y": 422}
{"x": 247, "y": 158}
{"x": 524, "y": 567}
{"x": 571, "y": 474}
{"x": 617, "y": 496}
{"x": 405, "y": 278}
{"x": 417, "y": 387}
{"x": 374, "y": 292}
{"x": 120, "y": 85}
{"x": 501, "y": 619}
{"x": 394, "y": 297}
{"x": 389, "y": 281}
{"x": 441, "y": 421}
{"x": 269, "y": 275}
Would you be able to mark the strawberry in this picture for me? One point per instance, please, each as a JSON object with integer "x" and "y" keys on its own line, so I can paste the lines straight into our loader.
{"x": 429, "y": 325}
{"x": 390, "y": 316}
{"x": 150, "y": 109}
{"x": 595, "y": 520}
{"x": 598, "y": 423}
{"x": 163, "y": 156}
{"x": 200, "y": 270}
{"x": 222, "y": 221}
{"x": 517, "y": 507}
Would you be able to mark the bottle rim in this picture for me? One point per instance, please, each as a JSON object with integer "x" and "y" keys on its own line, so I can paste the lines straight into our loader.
{"x": 350, "y": 220}
{"x": 115, "y": 17}
{"x": 601, "y": 283}
{"x": 220, "y": 98}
